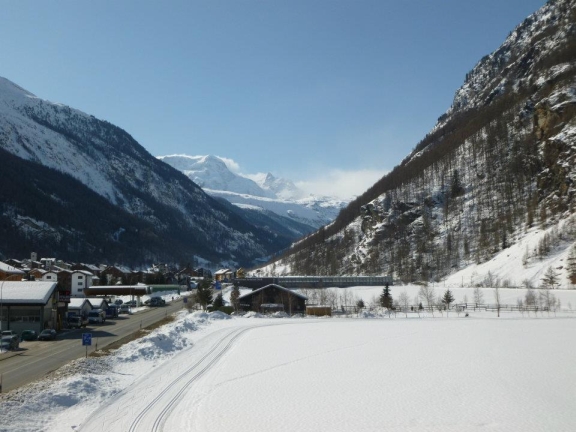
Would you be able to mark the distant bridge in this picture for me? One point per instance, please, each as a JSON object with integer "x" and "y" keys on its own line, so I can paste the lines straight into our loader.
{"x": 315, "y": 281}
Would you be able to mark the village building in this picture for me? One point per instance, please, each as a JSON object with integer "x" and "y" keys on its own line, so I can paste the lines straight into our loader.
{"x": 98, "y": 303}
{"x": 37, "y": 274}
{"x": 115, "y": 274}
{"x": 223, "y": 275}
{"x": 81, "y": 280}
{"x": 28, "y": 305}
{"x": 15, "y": 263}
{"x": 79, "y": 307}
{"x": 11, "y": 273}
{"x": 273, "y": 298}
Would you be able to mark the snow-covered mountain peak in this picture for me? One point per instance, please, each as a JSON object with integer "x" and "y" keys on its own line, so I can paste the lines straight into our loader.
{"x": 264, "y": 191}
{"x": 211, "y": 172}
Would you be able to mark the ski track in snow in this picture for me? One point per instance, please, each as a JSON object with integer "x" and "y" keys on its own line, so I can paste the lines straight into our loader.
{"x": 151, "y": 401}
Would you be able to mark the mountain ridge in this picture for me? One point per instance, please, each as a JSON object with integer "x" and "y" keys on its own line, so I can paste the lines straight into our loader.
{"x": 108, "y": 161}
{"x": 498, "y": 163}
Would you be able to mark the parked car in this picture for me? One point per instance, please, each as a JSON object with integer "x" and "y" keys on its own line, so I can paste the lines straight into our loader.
{"x": 47, "y": 334}
{"x": 28, "y": 335}
{"x": 131, "y": 303}
{"x": 118, "y": 302}
{"x": 8, "y": 333}
{"x": 157, "y": 301}
{"x": 125, "y": 309}
{"x": 77, "y": 321}
{"x": 10, "y": 342}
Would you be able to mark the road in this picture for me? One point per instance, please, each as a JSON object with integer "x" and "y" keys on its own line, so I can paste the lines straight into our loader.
{"x": 36, "y": 359}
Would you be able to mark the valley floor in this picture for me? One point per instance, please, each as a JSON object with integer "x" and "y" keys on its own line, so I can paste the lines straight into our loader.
{"x": 205, "y": 372}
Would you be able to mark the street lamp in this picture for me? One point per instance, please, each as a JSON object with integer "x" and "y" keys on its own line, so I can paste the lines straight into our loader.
{"x": 1, "y": 310}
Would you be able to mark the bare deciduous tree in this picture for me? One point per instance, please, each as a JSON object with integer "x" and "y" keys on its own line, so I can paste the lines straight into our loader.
{"x": 404, "y": 302}
{"x": 497, "y": 299}
{"x": 428, "y": 294}
{"x": 478, "y": 296}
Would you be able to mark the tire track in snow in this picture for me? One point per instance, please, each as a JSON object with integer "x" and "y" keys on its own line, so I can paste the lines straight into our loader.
{"x": 190, "y": 376}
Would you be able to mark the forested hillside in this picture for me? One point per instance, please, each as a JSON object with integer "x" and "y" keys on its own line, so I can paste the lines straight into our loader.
{"x": 500, "y": 162}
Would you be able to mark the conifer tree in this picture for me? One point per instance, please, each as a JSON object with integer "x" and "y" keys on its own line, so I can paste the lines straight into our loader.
{"x": 448, "y": 298}
{"x": 386, "y": 298}
{"x": 218, "y": 302}
{"x": 204, "y": 293}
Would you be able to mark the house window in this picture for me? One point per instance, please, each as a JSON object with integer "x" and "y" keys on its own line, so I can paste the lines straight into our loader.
{"x": 48, "y": 277}
{"x": 80, "y": 283}
{"x": 80, "y": 277}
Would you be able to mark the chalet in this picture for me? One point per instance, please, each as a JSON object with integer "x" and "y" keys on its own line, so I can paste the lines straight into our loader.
{"x": 28, "y": 306}
{"x": 15, "y": 263}
{"x": 273, "y": 298}
{"x": 114, "y": 274}
{"x": 8, "y": 272}
{"x": 223, "y": 275}
{"x": 37, "y": 274}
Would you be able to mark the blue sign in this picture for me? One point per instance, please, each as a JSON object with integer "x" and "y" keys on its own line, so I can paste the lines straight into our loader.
{"x": 218, "y": 285}
{"x": 185, "y": 299}
{"x": 86, "y": 339}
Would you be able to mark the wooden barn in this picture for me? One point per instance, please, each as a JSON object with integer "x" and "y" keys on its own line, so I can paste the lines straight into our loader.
{"x": 272, "y": 298}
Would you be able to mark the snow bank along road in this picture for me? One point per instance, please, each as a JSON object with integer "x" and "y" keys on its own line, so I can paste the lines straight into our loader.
{"x": 442, "y": 374}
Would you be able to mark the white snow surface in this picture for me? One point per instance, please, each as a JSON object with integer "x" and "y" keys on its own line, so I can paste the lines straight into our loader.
{"x": 210, "y": 372}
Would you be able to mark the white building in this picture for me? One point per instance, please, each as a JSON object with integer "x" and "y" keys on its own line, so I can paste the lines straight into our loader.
{"x": 81, "y": 279}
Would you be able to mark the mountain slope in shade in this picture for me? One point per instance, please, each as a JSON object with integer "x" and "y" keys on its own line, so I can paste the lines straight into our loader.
{"x": 109, "y": 162}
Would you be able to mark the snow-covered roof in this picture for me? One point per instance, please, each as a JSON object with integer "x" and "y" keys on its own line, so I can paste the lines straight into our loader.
{"x": 97, "y": 302}
{"x": 26, "y": 292}
{"x": 77, "y": 303}
{"x": 275, "y": 286}
{"x": 6, "y": 268}
{"x": 223, "y": 271}
{"x": 39, "y": 270}
{"x": 84, "y": 272}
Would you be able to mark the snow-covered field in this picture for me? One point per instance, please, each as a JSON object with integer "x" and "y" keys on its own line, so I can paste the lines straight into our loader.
{"x": 207, "y": 372}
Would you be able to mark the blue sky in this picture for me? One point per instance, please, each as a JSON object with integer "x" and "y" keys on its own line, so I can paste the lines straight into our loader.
{"x": 331, "y": 93}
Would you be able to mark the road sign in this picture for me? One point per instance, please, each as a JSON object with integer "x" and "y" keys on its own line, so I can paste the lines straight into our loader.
{"x": 218, "y": 285}
{"x": 185, "y": 299}
{"x": 86, "y": 339}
